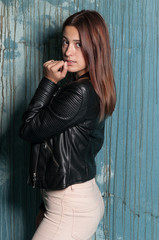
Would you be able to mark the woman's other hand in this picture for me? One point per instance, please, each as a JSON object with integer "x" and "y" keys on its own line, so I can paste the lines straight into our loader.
{"x": 39, "y": 217}
{"x": 55, "y": 70}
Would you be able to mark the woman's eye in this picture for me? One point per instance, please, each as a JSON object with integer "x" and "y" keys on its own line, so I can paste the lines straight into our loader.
{"x": 78, "y": 45}
{"x": 64, "y": 42}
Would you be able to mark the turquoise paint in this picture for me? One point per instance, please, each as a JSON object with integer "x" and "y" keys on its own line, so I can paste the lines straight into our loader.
{"x": 11, "y": 49}
{"x": 127, "y": 165}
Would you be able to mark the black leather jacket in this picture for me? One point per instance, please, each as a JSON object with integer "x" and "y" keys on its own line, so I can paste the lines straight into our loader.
{"x": 62, "y": 125}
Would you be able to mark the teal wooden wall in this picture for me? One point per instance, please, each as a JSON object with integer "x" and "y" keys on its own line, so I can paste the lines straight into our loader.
{"x": 128, "y": 164}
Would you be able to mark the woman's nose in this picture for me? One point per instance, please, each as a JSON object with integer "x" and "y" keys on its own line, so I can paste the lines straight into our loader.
{"x": 69, "y": 50}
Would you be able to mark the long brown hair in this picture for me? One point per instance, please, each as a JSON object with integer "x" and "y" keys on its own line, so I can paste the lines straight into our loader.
{"x": 95, "y": 46}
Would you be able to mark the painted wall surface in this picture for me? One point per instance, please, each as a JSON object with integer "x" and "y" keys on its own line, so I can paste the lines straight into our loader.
{"x": 128, "y": 164}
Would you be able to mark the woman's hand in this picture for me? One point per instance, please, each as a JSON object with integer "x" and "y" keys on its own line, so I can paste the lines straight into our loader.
{"x": 39, "y": 217}
{"x": 55, "y": 70}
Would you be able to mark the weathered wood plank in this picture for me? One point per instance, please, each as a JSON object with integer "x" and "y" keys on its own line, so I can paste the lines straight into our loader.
{"x": 127, "y": 166}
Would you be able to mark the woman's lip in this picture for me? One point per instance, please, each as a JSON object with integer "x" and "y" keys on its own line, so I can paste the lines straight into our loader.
{"x": 70, "y": 62}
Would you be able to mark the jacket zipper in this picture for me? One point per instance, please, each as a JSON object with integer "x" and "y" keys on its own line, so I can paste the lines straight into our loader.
{"x": 35, "y": 171}
{"x": 34, "y": 179}
{"x": 47, "y": 146}
{"x": 34, "y": 174}
{"x": 36, "y": 164}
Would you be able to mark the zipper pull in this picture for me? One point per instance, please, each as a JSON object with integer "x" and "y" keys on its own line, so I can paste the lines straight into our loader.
{"x": 34, "y": 179}
{"x": 58, "y": 90}
{"x": 45, "y": 144}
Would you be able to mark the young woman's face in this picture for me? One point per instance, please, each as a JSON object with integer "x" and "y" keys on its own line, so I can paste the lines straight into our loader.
{"x": 72, "y": 53}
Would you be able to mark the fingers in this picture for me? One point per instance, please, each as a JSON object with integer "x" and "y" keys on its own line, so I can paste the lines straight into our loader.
{"x": 64, "y": 70}
{"x": 49, "y": 63}
{"x": 55, "y": 65}
{"x": 60, "y": 68}
{"x": 55, "y": 70}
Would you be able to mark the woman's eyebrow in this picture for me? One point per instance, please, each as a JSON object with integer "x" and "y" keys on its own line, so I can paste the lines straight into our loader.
{"x": 73, "y": 40}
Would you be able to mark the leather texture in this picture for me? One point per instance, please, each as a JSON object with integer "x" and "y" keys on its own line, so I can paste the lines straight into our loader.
{"x": 63, "y": 127}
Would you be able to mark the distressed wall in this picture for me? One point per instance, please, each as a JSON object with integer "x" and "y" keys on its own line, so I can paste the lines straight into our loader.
{"x": 128, "y": 169}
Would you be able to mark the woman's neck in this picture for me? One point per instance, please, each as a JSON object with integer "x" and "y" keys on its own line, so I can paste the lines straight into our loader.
{"x": 82, "y": 76}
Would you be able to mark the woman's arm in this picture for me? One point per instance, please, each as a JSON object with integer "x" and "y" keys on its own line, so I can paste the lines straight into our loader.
{"x": 43, "y": 119}
{"x": 47, "y": 116}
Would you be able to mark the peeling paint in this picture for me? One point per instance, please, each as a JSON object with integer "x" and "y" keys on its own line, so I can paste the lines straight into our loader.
{"x": 10, "y": 49}
{"x": 105, "y": 174}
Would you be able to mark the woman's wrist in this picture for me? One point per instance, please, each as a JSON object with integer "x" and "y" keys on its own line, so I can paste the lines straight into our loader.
{"x": 51, "y": 79}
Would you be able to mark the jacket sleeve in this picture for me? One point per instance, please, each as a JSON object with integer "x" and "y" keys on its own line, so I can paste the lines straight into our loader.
{"x": 46, "y": 118}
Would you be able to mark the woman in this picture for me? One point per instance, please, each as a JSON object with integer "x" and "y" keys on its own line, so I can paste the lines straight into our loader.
{"x": 66, "y": 128}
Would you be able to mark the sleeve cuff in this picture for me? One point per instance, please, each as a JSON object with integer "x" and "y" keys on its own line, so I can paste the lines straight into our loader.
{"x": 48, "y": 85}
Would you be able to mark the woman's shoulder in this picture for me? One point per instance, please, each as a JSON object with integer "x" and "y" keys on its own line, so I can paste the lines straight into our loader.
{"x": 80, "y": 91}
{"x": 83, "y": 85}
